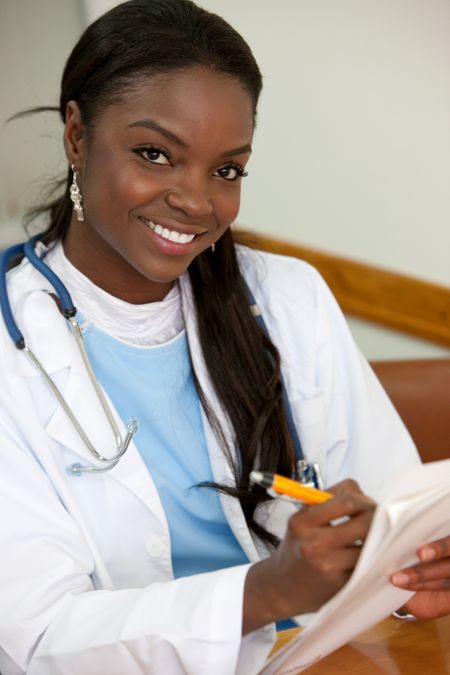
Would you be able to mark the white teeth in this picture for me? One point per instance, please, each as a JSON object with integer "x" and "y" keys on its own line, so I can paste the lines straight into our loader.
{"x": 171, "y": 235}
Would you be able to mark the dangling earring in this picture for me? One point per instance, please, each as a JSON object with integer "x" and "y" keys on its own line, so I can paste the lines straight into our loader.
{"x": 213, "y": 248}
{"x": 75, "y": 195}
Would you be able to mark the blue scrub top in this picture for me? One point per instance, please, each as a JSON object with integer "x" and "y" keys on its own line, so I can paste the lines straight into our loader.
{"x": 156, "y": 385}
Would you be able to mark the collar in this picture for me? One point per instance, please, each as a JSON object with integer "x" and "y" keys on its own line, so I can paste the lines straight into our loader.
{"x": 143, "y": 325}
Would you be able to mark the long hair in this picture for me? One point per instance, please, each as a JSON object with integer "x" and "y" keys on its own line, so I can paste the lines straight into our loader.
{"x": 147, "y": 37}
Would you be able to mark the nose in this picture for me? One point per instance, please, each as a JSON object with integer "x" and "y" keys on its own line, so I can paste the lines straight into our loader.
{"x": 191, "y": 195}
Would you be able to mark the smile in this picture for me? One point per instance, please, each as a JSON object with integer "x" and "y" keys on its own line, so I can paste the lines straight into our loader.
{"x": 171, "y": 235}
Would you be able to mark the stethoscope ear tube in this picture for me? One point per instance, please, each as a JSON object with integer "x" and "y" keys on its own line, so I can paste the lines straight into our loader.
{"x": 27, "y": 249}
{"x": 11, "y": 326}
{"x": 67, "y": 307}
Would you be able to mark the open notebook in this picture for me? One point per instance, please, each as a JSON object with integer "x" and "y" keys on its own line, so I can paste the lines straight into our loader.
{"x": 415, "y": 511}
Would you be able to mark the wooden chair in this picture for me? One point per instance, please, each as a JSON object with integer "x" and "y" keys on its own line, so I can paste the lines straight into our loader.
{"x": 420, "y": 391}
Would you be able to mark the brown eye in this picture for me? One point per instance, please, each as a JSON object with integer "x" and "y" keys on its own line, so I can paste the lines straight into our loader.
{"x": 231, "y": 172}
{"x": 153, "y": 155}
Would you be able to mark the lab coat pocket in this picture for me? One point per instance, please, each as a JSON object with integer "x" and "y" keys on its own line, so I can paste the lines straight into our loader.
{"x": 311, "y": 423}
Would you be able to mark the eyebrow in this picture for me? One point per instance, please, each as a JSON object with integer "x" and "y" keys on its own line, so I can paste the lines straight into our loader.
{"x": 155, "y": 126}
{"x": 238, "y": 151}
{"x": 151, "y": 124}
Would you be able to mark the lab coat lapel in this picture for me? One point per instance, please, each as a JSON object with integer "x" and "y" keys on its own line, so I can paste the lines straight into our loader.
{"x": 221, "y": 469}
{"x": 130, "y": 471}
{"x": 48, "y": 335}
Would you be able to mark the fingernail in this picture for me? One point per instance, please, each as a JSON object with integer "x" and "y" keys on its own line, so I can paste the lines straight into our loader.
{"x": 400, "y": 579}
{"x": 427, "y": 553}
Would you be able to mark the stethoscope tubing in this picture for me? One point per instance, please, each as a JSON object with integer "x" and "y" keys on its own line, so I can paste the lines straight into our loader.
{"x": 27, "y": 249}
{"x": 69, "y": 312}
{"x": 11, "y": 326}
{"x": 67, "y": 307}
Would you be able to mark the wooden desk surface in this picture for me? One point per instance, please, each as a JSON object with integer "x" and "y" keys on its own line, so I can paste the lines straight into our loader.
{"x": 393, "y": 647}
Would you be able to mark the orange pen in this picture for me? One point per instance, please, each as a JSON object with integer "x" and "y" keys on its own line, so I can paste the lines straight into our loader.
{"x": 291, "y": 488}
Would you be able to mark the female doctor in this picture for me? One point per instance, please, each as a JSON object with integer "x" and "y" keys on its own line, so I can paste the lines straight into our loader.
{"x": 168, "y": 560}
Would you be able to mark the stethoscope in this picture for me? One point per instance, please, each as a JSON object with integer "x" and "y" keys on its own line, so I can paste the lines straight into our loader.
{"x": 69, "y": 311}
{"x": 308, "y": 474}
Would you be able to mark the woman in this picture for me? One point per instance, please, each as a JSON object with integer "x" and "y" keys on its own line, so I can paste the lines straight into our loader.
{"x": 164, "y": 562}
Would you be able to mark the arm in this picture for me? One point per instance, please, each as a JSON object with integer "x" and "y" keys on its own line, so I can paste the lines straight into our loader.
{"x": 55, "y": 618}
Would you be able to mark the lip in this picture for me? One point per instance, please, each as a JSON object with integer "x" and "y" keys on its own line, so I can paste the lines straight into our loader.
{"x": 168, "y": 247}
{"x": 182, "y": 228}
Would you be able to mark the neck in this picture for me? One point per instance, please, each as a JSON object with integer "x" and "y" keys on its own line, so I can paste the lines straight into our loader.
{"x": 113, "y": 274}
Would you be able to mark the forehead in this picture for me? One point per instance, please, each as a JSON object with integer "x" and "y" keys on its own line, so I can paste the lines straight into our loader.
{"x": 197, "y": 103}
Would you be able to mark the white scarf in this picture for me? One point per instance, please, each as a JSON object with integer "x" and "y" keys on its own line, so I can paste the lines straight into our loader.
{"x": 150, "y": 324}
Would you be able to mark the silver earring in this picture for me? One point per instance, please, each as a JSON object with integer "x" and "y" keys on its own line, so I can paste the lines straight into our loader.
{"x": 75, "y": 195}
{"x": 213, "y": 248}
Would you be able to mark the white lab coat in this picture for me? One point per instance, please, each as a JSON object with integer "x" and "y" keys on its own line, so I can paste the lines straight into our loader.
{"x": 86, "y": 584}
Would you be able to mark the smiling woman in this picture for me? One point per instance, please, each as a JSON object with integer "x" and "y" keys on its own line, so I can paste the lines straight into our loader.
{"x": 161, "y": 562}
{"x": 159, "y": 177}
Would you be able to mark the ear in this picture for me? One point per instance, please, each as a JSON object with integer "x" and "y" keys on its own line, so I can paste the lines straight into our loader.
{"x": 74, "y": 135}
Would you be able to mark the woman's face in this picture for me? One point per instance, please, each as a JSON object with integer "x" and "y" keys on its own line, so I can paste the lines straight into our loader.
{"x": 160, "y": 179}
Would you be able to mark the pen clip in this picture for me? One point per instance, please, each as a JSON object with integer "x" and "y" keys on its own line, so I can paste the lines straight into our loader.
{"x": 309, "y": 474}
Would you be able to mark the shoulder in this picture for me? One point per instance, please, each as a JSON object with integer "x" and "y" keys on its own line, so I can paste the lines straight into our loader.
{"x": 22, "y": 278}
{"x": 297, "y": 307}
{"x": 27, "y": 305}
{"x": 278, "y": 279}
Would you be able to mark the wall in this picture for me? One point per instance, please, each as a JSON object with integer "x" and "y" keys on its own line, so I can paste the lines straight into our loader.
{"x": 352, "y": 150}
{"x": 35, "y": 40}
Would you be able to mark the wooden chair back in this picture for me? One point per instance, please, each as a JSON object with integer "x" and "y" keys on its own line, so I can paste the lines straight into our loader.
{"x": 420, "y": 391}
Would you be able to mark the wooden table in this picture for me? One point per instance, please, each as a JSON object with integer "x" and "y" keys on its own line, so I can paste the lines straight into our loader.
{"x": 393, "y": 647}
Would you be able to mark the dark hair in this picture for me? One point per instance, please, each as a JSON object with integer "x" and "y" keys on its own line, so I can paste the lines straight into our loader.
{"x": 145, "y": 37}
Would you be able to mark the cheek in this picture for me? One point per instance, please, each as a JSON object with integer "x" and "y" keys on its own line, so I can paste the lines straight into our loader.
{"x": 133, "y": 189}
{"x": 227, "y": 207}
{"x": 115, "y": 185}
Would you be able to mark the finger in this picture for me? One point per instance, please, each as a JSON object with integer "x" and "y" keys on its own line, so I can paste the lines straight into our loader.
{"x": 348, "y": 486}
{"x": 344, "y": 504}
{"x": 337, "y": 564}
{"x": 438, "y": 585}
{"x": 418, "y": 575}
{"x": 436, "y": 550}
{"x": 354, "y": 531}
{"x": 342, "y": 561}
{"x": 429, "y": 604}
{"x": 320, "y": 543}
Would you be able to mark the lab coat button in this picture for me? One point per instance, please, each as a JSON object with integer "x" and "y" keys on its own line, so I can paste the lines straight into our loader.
{"x": 155, "y": 547}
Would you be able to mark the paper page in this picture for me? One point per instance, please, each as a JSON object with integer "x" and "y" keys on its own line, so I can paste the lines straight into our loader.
{"x": 415, "y": 511}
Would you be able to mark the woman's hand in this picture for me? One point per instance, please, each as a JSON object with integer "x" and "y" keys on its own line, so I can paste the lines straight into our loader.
{"x": 430, "y": 579}
{"x": 313, "y": 562}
